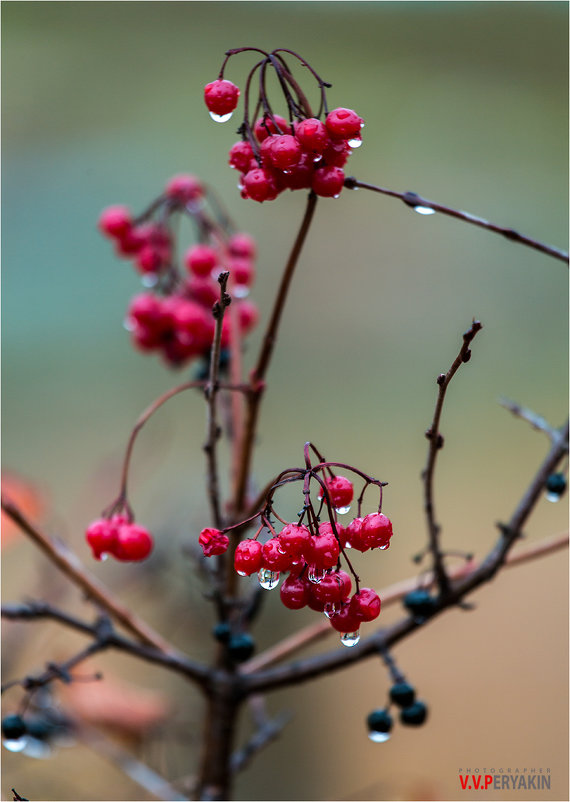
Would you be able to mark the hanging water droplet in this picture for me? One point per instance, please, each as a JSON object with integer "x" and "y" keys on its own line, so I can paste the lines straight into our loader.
{"x": 331, "y": 609}
{"x": 149, "y": 280}
{"x": 268, "y": 579}
{"x": 553, "y": 497}
{"x": 15, "y": 744}
{"x": 241, "y": 573}
{"x": 356, "y": 142}
{"x": 379, "y": 737}
{"x": 128, "y": 324}
{"x": 423, "y": 210}
{"x": 315, "y": 575}
{"x": 37, "y": 749}
{"x": 104, "y": 557}
{"x": 350, "y": 638}
{"x": 221, "y": 118}
{"x": 342, "y": 510}
{"x": 241, "y": 291}
{"x": 384, "y": 547}
{"x": 337, "y": 195}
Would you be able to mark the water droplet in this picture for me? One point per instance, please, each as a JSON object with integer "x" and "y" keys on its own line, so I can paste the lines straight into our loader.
{"x": 128, "y": 324}
{"x": 553, "y": 497}
{"x": 241, "y": 291}
{"x": 337, "y": 195}
{"x": 331, "y": 609}
{"x": 350, "y": 638}
{"x": 241, "y": 573}
{"x": 383, "y": 548}
{"x": 104, "y": 557}
{"x": 37, "y": 749}
{"x": 342, "y": 510}
{"x": 149, "y": 280}
{"x": 221, "y": 118}
{"x": 317, "y": 158}
{"x": 356, "y": 142}
{"x": 268, "y": 579}
{"x": 379, "y": 737}
{"x": 423, "y": 210}
{"x": 15, "y": 744}
{"x": 314, "y": 575}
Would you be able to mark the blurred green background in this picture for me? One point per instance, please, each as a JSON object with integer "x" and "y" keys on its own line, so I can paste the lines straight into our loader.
{"x": 465, "y": 103}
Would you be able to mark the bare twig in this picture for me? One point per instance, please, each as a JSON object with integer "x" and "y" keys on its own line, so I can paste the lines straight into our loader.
{"x": 435, "y": 444}
{"x": 416, "y": 201}
{"x": 267, "y": 732}
{"x": 536, "y": 421}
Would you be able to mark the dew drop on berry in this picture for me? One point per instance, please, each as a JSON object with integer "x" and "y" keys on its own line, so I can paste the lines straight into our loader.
{"x": 342, "y": 510}
{"x": 15, "y": 744}
{"x": 241, "y": 573}
{"x": 104, "y": 557}
{"x": 356, "y": 142}
{"x": 241, "y": 291}
{"x": 384, "y": 547}
{"x": 553, "y": 497}
{"x": 221, "y": 118}
{"x": 423, "y": 210}
{"x": 350, "y": 638}
{"x": 149, "y": 280}
{"x": 314, "y": 575}
{"x": 317, "y": 158}
{"x": 268, "y": 579}
{"x": 331, "y": 609}
{"x": 337, "y": 195}
{"x": 379, "y": 737}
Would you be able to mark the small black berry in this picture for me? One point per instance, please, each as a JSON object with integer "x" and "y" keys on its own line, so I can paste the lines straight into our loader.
{"x": 556, "y": 484}
{"x": 419, "y": 603}
{"x": 13, "y": 727}
{"x": 379, "y": 721}
{"x": 402, "y": 694}
{"x": 415, "y": 714}
{"x": 241, "y": 647}
{"x": 222, "y": 632}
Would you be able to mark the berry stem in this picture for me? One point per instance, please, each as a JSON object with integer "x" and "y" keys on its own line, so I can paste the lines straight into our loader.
{"x": 413, "y": 200}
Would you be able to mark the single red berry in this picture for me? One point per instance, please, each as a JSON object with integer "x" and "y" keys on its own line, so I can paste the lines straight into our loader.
{"x": 312, "y": 135}
{"x": 201, "y": 260}
{"x": 242, "y": 245}
{"x": 294, "y": 593}
{"x": 326, "y": 528}
{"x": 345, "y": 620}
{"x": 241, "y": 155}
{"x": 203, "y": 290}
{"x": 300, "y": 175}
{"x": 333, "y": 588}
{"x": 324, "y": 551}
{"x": 260, "y": 185}
{"x": 366, "y": 604}
{"x": 377, "y": 530}
{"x": 341, "y": 491}
{"x": 242, "y": 272}
{"x": 336, "y": 154}
{"x": 132, "y": 242}
{"x": 248, "y": 316}
{"x": 134, "y": 543}
{"x": 285, "y": 152}
{"x": 101, "y": 535}
{"x": 213, "y": 542}
{"x": 343, "y": 123}
{"x": 354, "y": 535}
{"x": 184, "y": 188}
{"x": 265, "y": 126}
{"x": 192, "y": 324}
{"x": 115, "y": 222}
{"x": 248, "y": 557}
{"x": 149, "y": 259}
{"x": 328, "y": 181}
{"x": 273, "y": 558}
{"x": 295, "y": 540}
{"x": 221, "y": 97}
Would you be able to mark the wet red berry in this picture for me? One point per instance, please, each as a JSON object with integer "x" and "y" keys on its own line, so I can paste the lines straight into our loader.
{"x": 134, "y": 543}
{"x": 248, "y": 557}
{"x": 366, "y": 604}
{"x": 341, "y": 491}
{"x": 328, "y": 181}
{"x": 213, "y": 542}
{"x": 294, "y": 593}
{"x": 343, "y": 123}
{"x": 221, "y": 96}
{"x": 115, "y": 221}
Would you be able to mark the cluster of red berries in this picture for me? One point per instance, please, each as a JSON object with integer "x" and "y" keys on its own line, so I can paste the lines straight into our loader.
{"x": 312, "y": 560}
{"x": 123, "y": 539}
{"x": 175, "y": 318}
{"x": 274, "y": 154}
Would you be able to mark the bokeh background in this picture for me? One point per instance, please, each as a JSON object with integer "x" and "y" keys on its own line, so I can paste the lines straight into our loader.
{"x": 465, "y": 103}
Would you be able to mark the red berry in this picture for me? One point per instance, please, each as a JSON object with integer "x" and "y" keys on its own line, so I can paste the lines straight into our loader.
{"x": 201, "y": 260}
{"x": 101, "y": 535}
{"x": 376, "y": 530}
{"x": 184, "y": 188}
{"x": 115, "y": 222}
{"x": 301, "y": 175}
{"x": 134, "y": 543}
{"x": 132, "y": 242}
{"x": 343, "y": 123}
{"x": 345, "y": 620}
{"x": 266, "y": 126}
{"x": 273, "y": 557}
{"x": 295, "y": 540}
{"x": 241, "y": 155}
{"x": 313, "y": 135}
{"x": 354, "y": 535}
{"x": 248, "y": 316}
{"x": 324, "y": 551}
{"x": 328, "y": 181}
{"x": 341, "y": 491}
{"x": 221, "y": 97}
{"x": 213, "y": 542}
{"x": 294, "y": 593}
{"x": 193, "y": 326}
{"x": 326, "y": 528}
{"x": 337, "y": 153}
{"x": 366, "y": 604}
{"x": 149, "y": 259}
{"x": 248, "y": 557}
{"x": 285, "y": 152}
{"x": 333, "y": 588}
{"x": 260, "y": 185}
{"x": 242, "y": 245}
{"x": 203, "y": 290}
{"x": 242, "y": 272}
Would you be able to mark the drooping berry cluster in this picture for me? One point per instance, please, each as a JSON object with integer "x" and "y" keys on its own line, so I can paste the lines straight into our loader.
{"x": 123, "y": 539}
{"x": 311, "y": 551}
{"x": 413, "y": 712}
{"x": 174, "y": 317}
{"x": 274, "y": 154}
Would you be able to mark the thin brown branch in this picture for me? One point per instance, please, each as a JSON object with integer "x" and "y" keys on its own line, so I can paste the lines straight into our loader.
{"x": 435, "y": 439}
{"x": 56, "y": 671}
{"x": 268, "y": 732}
{"x": 536, "y": 421}
{"x": 415, "y": 201}
{"x": 71, "y": 566}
